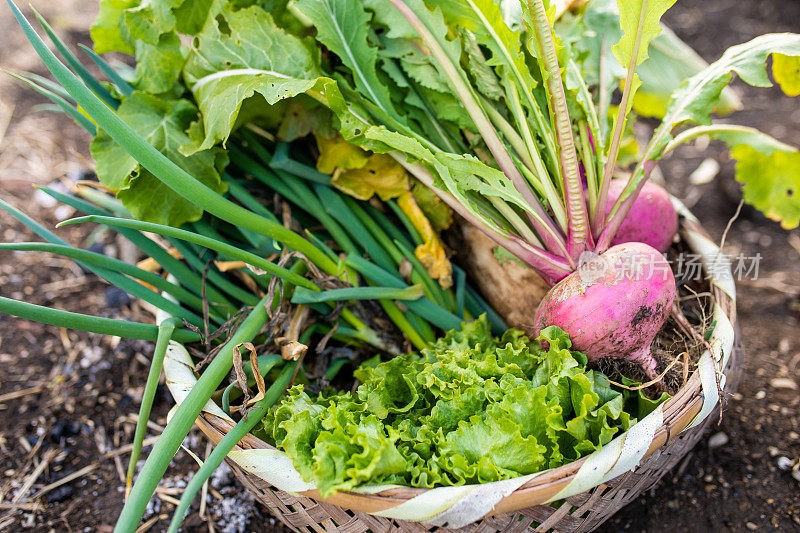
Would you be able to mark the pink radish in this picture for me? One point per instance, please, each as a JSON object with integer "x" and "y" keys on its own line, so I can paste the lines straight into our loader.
{"x": 614, "y": 304}
{"x": 651, "y": 220}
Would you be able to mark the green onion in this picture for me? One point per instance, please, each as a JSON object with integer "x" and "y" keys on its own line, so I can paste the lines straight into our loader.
{"x": 231, "y": 439}
{"x": 165, "y": 330}
{"x": 115, "y": 278}
{"x": 183, "y": 419}
{"x": 93, "y": 324}
{"x": 122, "y": 86}
{"x": 213, "y": 244}
{"x": 87, "y": 257}
{"x": 180, "y": 271}
{"x": 76, "y": 65}
{"x": 305, "y": 296}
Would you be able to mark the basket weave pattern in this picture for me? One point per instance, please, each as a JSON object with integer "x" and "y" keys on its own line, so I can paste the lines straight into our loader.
{"x": 544, "y": 502}
{"x": 580, "y": 513}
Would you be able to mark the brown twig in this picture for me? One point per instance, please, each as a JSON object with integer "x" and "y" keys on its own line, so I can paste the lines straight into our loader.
{"x": 730, "y": 224}
{"x": 66, "y": 479}
{"x": 21, "y": 393}
{"x": 48, "y": 457}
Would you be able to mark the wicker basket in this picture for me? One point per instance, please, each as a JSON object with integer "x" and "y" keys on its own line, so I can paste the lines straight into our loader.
{"x": 576, "y": 497}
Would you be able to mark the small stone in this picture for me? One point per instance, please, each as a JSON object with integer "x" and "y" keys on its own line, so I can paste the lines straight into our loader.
{"x": 784, "y": 463}
{"x": 783, "y": 383}
{"x": 718, "y": 439}
{"x": 704, "y": 173}
{"x": 91, "y": 356}
{"x": 773, "y": 451}
{"x": 760, "y": 395}
{"x": 794, "y": 435}
{"x": 738, "y": 396}
{"x": 796, "y": 474}
{"x": 64, "y": 428}
{"x": 116, "y": 298}
{"x": 97, "y": 248}
{"x": 63, "y": 212}
{"x": 751, "y": 526}
{"x": 59, "y": 494}
{"x": 784, "y": 345}
{"x": 673, "y": 504}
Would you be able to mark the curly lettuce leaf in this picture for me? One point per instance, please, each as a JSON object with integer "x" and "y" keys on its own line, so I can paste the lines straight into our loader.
{"x": 162, "y": 123}
{"x": 472, "y": 408}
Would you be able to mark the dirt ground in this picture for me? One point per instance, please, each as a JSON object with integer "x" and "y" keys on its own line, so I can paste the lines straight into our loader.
{"x": 68, "y": 400}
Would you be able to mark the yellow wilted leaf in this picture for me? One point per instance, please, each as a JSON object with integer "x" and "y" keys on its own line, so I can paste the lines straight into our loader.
{"x": 431, "y": 252}
{"x": 433, "y": 257}
{"x": 786, "y": 70}
{"x": 381, "y": 175}
{"x": 335, "y": 152}
{"x": 440, "y": 215}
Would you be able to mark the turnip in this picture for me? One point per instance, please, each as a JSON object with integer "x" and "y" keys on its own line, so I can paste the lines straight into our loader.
{"x": 651, "y": 220}
{"x": 614, "y": 305}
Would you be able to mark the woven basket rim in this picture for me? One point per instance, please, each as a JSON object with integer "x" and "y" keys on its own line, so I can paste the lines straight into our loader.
{"x": 679, "y": 413}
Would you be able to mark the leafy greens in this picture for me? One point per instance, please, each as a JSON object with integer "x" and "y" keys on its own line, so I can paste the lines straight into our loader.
{"x": 472, "y": 408}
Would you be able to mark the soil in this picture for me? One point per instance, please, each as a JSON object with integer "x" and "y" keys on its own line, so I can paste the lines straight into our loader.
{"x": 69, "y": 400}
